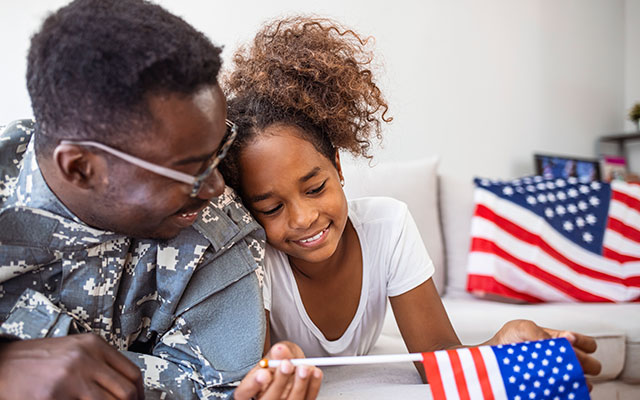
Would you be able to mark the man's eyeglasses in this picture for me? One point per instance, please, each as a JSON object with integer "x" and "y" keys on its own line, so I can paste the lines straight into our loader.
{"x": 196, "y": 182}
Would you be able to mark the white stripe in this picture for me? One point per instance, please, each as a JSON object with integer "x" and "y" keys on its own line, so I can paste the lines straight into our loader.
{"x": 535, "y": 224}
{"x": 446, "y": 375}
{"x": 481, "y": 228}
{"x": 513, "y": 277}
{"x": 626, "y": 188}
{"x": 625, "y": 214}
{"x": 620, "y": 244}
{"x": 470, "y": 374}
{"x": 493, "y": 370}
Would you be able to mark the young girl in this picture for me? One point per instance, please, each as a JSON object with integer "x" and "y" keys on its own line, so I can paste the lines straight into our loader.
{"x": 299, "y": 94}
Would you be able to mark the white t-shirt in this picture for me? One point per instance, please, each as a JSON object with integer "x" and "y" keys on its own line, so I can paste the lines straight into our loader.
{"x": 394, "y": 261}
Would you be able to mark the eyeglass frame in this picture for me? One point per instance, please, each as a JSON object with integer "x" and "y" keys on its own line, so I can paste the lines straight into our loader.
{"x": 196, "y": 181}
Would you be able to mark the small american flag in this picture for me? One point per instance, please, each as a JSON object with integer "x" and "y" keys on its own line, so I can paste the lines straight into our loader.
{"x": 546, "y": 369}
{"x": 544, "y": 239}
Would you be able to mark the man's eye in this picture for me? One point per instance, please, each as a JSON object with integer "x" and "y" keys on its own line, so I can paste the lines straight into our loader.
{"x": 272, "y": 210}
{"x": 318, "y": 189}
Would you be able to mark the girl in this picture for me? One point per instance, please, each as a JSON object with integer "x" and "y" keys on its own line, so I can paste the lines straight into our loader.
{"x": 299, "y": 94}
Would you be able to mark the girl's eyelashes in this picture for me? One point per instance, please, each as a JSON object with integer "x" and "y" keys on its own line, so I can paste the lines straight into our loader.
{"x": 272, "y": 210}
{"x": 318, "y": 189}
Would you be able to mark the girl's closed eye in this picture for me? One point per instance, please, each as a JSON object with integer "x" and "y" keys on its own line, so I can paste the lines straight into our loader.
{"x": 272, "y": 211}
{"x": 317, "y": 189}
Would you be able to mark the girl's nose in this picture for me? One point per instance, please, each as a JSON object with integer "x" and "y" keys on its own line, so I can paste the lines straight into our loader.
{"x": 302, "y": 216}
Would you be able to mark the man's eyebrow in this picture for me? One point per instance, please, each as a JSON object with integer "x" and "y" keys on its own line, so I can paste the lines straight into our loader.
{"x": 195, "y": 159}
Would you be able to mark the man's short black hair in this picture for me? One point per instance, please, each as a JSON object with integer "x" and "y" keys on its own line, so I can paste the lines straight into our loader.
{"x": 93, "y": 64}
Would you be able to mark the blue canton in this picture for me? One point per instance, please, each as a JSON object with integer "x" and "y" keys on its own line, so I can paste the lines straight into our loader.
{"x": 546, "y": 369}
{"x": 574, "y": 208}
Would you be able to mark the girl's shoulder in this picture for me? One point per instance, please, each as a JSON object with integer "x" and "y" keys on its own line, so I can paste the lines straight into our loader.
{"x": 377, "y": 210}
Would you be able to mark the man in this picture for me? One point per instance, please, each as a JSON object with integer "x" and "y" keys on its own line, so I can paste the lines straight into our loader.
{"x": 126, "y": 269}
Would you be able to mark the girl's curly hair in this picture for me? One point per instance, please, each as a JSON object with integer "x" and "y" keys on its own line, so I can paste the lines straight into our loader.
{"x": 308, "y": 72}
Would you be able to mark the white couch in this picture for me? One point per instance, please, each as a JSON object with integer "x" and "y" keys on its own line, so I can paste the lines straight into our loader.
{"x": 442, "y": 207}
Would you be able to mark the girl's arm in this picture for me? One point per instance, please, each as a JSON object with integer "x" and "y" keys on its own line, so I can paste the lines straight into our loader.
{"x": 423, "y": 321}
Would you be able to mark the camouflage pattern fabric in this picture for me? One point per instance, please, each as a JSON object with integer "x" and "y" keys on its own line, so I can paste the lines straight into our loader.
{"x": 188, "y": 311}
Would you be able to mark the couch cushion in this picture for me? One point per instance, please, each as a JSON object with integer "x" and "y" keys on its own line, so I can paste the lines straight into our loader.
{"x": 413, "y": 182}
{"x": 456, "y": 207}
{"x": 616, "y": 327}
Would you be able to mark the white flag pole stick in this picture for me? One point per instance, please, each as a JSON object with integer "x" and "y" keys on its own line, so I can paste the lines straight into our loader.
{"x": 325, "y": 361}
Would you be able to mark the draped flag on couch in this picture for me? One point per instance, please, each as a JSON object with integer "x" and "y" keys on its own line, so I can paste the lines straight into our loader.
{"x": 546, "y": 369}
{"x": 542, "y": 239}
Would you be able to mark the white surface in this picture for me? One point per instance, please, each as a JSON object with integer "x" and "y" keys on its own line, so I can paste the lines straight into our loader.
{"x": 482, "y": 84}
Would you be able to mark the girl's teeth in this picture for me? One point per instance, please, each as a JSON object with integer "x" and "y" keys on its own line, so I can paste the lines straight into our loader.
{"x": 188, "y": 215}
{"x": 313, "y": 238}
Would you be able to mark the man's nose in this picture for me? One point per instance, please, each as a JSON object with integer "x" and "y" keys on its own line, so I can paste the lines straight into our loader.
{"x": 212, "y": 187}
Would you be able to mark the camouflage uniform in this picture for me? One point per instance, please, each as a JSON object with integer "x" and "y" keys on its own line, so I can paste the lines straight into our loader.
{"x": 187, "y": 311}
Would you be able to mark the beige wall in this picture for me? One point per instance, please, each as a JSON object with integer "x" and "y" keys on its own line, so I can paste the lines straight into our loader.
{"x": 483, "y": 84}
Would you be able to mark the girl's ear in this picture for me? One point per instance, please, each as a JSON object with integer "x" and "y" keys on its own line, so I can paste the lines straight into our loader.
{"x": 339, "y": 168}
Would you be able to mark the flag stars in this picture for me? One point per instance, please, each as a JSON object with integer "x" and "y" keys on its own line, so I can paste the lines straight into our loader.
{"x": 516, "y": 368}
{"x": 595, "y": 185}
{"x": 532, "y": 395}
{"x": 565, "y": 377}
{"x": 512, "y": 379}
{"x": 520, "y": 357}
{"x": 584, "y": 189}
{"x": 531, "y": 188}
{"x": 567, "y": 226}
{"x": 561, "y": 196}
{"x": 594, "y": 201}
{"x": 591, "y": 219}
{"x": 550, "y": 185}
{"x": 580, "y": 222}
{"x": 551, "y": 197}
{"x": 506, "y": 361}
{"x": 555, "y": 370}
{"x": 572, "y": 208}
{"x": 542, "y": 198}
{"x": 547, "y": 392}
{"x": 551, "y": 380}
{"x": 547, "y": 352}
{"x": 563, "y": 349}
{"x": 572, "y": 180}
{"x": 524, "y": 348}
{"x": 531, "y": 200}
{"x": 541, "y": 373}
{"x": 561, "y": 389}
{"x": 522, "y": 387}
{"x": 549, "y": 212}
{"x": 541, "y": 186}
{"x": 573, "y": 193}
{"x": 569, "y": 367}
{"x": 560, "y": 183}
{"x": 510, "y": 351}
{"x": 587, "y": 237}
{"x": 545, "y": 362}
{"x": 560, "y": 210}
{"x": 530, "y": 365}
{"x": 582, "y": 205}
{"x": 571, "y": 396}
{"x": 507, "y": 190}
{"x": 534, "y": 355}
{"x": 536, "y": 384}
{"x": 576, "y": 385}
{"x": 527, "y": 376}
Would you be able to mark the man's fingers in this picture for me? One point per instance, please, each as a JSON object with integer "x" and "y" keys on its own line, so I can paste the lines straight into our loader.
{"x": 584, "y": 343}
{"x": 98, "y": 392}
{"x": 589, "y": 364}
{"x": 116, "y": 384}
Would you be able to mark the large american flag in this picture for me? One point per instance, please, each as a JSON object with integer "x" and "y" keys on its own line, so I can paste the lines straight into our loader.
{"x": 544, "y": 239}
{"x": 546, "y": 369}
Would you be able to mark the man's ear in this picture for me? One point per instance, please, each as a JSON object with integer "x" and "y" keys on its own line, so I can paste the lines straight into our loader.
{"x": 76, "y": 165}
{"x": 339, "y": 167}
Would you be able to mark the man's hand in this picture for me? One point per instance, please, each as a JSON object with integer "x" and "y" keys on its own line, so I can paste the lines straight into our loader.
{"x": 523, "y": 330}
{"x": 285, "y": 382}
{"x": 71, "y": 367}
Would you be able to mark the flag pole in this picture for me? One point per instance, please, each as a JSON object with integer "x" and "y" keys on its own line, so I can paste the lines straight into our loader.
{"x": 353, "y": 360}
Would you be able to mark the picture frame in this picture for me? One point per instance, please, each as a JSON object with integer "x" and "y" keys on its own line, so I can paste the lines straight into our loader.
{"x": 558, "y": 166}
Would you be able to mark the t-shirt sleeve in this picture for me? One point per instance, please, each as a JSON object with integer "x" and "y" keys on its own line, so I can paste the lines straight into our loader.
{"x": 410, "y": 264}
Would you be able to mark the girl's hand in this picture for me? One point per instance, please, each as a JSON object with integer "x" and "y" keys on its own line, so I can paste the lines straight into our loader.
{"x": 285, "y": 382}
{"x": 521, "y": 330}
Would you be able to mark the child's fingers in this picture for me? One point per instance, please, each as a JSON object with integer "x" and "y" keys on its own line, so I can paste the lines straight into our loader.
{"x": 256, "y": 382}
{"x": 281, "y": 379}
{"x": 314, "y": 383}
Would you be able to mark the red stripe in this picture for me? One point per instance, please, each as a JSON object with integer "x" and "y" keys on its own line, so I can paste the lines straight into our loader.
{"x": 535, "y": 240}
{"x": 483, "y": 376}
{"x": 630, "y": 201}
{"x": 625, "y": 230}
{"x": 458, "y": 374}
{"x": 487, "y": 246}
{"x": 433, "y": 376}
{"x": 621, "y": 258}
{"x": 478, "y": 284}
